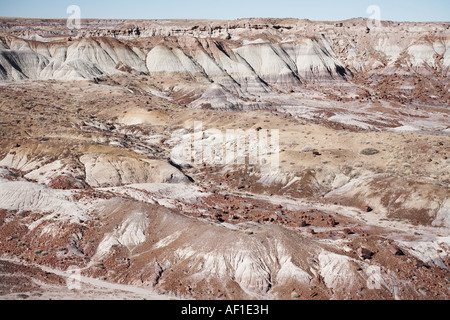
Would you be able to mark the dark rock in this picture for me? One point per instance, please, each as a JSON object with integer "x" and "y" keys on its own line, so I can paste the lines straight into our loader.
{"x": 348, "y": 231}
{"x": 364, "y": 253}
{"x": 369, "y": 151}
{"x": 396, "y": 250}
{"x": 331, "y": 222}
{"x": 421, "y": 264}
{"x": 274, "y": 217}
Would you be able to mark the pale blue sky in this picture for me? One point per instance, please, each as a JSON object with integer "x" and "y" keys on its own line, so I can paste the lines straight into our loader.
{"x": 396, "y": 10}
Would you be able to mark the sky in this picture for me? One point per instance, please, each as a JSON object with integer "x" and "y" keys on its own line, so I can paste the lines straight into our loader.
{"x": 395, "y": 10}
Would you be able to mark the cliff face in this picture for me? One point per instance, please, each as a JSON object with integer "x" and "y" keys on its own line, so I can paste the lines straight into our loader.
{"x": 280, "y": 52}
{"x": 233, "y": 64}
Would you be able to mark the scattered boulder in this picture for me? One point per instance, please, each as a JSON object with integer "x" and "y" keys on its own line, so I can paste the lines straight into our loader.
{"x": 348, "y": 231}
{"x": 370, "y": 151}
{"x": 421, "y": 264}
{"x": 364, "y": 253}
{"x": 331, "y": 222}
{"x": 274, "y": 217}
{"x": 308, "y": 149}
{"x": 396, "y": 250}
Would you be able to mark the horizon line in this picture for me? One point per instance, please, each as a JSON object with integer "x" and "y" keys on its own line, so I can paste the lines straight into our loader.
{"x": 215, "y": 19}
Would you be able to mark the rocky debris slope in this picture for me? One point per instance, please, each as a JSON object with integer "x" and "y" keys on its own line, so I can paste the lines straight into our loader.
{"x": 142, "y": 244}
